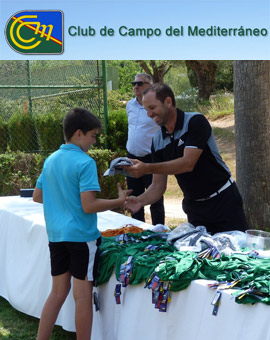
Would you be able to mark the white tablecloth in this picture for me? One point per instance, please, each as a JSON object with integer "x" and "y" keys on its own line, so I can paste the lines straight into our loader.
{"x": 25, "y": 282}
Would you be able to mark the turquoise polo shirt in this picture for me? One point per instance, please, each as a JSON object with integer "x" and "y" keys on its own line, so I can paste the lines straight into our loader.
{"x": 66, "y": 173}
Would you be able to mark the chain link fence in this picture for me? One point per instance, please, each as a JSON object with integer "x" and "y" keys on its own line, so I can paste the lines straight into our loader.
{"x": 35, "y": 96}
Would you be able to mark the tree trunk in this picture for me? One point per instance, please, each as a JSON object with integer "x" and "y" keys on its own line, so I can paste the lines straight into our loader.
{"x": 205, "y": 71}
{"x": 157, "y": 72}
{"x": 252, "y": 131}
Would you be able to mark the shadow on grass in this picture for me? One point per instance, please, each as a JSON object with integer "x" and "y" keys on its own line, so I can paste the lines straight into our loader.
{"x": 15, "y": 325}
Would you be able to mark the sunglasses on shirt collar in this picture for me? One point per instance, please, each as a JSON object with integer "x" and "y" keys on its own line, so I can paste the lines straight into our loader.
{"x": 139, "y": 83}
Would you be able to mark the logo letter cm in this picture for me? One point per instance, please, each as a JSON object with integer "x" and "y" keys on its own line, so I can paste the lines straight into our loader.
{"x": 37, "y": 31}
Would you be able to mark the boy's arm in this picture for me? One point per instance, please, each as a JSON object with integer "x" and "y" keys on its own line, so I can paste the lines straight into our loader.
{"x": 37, "y": 195}
{"x": 91, "y": 204}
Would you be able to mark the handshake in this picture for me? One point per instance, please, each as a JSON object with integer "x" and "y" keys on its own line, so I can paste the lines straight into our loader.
{"x": 127, "y": 167}
{"x": 131, "y": 203}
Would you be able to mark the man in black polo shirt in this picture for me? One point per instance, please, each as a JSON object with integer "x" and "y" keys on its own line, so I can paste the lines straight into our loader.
{"x": 185, "y": 147}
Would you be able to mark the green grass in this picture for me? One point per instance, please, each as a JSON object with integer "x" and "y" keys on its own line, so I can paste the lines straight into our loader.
{"x": 15, "y": 325}
{"x": 173, "y": 190}
{"x": 219, "y": 105}
{"x": 224, "y": 134}
{"x": 176, "y": 222}
{"x": 219, "y": 114}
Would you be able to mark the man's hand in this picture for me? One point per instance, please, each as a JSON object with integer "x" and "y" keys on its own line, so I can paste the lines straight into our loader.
{"x": 137, "y": 170}
{"x": 132, "y": 204}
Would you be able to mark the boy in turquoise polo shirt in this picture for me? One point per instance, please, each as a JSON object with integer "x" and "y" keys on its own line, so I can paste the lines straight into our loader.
{"x": 67, "y": 188}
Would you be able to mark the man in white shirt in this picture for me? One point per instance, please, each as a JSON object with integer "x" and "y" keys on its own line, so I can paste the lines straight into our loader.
{"x": 141, "y": 130}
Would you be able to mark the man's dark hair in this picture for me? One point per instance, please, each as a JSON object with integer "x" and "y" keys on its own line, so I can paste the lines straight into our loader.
{"x": 79, "y": 119}
{"x": 162, "y": 92}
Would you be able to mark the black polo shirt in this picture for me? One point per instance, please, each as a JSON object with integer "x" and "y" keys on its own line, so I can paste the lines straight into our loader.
{"x": 192, "y": 130}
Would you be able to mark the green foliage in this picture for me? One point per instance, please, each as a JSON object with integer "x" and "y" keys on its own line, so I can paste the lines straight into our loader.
{"x": 9, "y": 106}
{"x": 192, "y": 77}
{"x": 127, "y": 69}
{"x": 177, "y": 78}
{"x": 219, "y": 105}
{"x": 50, "y": 130}
{"x": 89, "y": 99}
{"x": 224, "y": 76}
{"x": 117, "y": 121}
{"x": 13, "y": 69}
{"x": 22, "y": 132}
{"x": 3, "y": 135}
{"x": 86, "y": 72}
{"x": 224, "y": 134}
{"x": 21, "y": 170}
{"x": 107, "y": 183}
{"x": 117, "y": 130}
{"x": 46, "y": 65}
{"x": 188, "y": 100}
{"x": 117, "y": 100}
{"x": 48, "y": 99}
{"x": 6, "y": 162}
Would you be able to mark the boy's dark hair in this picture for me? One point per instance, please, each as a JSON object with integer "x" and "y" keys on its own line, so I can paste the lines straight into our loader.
{"x": 162, "y": 92}
{"x": 79, "y": 119}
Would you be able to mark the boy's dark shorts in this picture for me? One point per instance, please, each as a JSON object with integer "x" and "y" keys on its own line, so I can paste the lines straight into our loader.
{"x": 78, "y": 258}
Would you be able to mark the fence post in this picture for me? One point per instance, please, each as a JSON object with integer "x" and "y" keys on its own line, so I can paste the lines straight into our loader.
{"x": 104, "y": 83}
{"x": 29, "y": 84}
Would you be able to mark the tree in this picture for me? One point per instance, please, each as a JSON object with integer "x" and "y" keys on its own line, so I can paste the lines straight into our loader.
{"x": 205, "y": 71}
{"x": 252, "y": 130}
{"x": 224, "y": 75}
{"x": 156, "y": 71}
{"x": 127, "y": 69}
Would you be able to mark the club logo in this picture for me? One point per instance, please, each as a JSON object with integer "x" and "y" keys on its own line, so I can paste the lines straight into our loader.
{"x": 36, "y": 32}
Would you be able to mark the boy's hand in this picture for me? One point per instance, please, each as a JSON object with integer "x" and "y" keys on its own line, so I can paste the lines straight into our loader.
{"x": 122, "y": 194}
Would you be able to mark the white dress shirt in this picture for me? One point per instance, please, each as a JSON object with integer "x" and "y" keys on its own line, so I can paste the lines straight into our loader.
{"x": 141, "y": 129}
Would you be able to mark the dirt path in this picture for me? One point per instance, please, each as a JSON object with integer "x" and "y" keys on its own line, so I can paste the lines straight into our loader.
{"x": 225, "y": 147}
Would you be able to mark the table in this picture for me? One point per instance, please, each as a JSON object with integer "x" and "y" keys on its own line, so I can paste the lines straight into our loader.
{"x": 25, "y": 282}
{"x": 25, "y": 279}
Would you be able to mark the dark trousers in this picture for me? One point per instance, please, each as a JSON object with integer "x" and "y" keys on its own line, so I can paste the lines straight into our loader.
{"x": 139, "y": 185}
{"x": 221, "y": 213}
